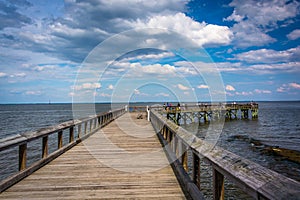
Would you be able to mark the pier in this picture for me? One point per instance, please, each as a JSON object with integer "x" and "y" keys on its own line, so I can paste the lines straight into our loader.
{"x": 87, "y": 167}
{"x": 210, "y": 112}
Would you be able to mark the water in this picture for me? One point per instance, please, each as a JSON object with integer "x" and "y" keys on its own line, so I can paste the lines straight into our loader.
{"x": 20, "y": 118}
{"x": 278, "y": 124}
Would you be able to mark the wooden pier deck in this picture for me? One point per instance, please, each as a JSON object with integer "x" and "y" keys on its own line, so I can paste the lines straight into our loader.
{"x": 80, "y": 173}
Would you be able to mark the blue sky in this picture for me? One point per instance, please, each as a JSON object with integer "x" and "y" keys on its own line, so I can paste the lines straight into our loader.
{"x": 160, "y": 50}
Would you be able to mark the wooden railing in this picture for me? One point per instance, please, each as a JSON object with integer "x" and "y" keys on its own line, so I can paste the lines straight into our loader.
{"x": 84, "y": 127}
{"x": 212, "y": 106}
{"x": 255, "y": 180}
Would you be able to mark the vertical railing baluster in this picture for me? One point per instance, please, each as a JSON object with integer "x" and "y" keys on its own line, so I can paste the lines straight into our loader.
{"x": 179, "y": 147}
{"x": 59, "y": 139}
{"x": 174, "y": 143}
{"x": 90, "y": 123}
{"x": 71, "y": 134}
{"x": 184, "y": 157}
{"x": 196, "y": 169}
{"x": 45, "y": 147}
{"x": 22, "y": 156}
{"x": 165, "y": 132}
{"x": 169, "y": 139}
{"x": 79, "y": 130}
{"x": 218, "y": 184}
{"x": 85, "y": 127}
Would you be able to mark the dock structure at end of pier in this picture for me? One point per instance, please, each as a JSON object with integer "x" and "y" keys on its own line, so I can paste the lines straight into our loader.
{"x": 203, "y": 113}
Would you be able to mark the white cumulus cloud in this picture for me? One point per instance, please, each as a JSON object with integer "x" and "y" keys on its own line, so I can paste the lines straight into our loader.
{"x": 289, "y": 86}
{"x": 2, "y": 74}
{"x": 258, "y": 91}
{"x": 110, "y": 87}
{"x": 202, "y": 86}
{"x": 229, "y": 88}
{"x": 87, "y": 86}
{"x": 294, "y": 85}
{"x": 182, "y": 87}
{"x": 295, "y": 34}
{"x": 200, "y": 33}
{"x": 269, "y": 55}
{"x": 254, "y": 19}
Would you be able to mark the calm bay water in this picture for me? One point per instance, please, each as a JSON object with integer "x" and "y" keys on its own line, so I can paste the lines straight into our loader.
{"x": 278, "y": 125}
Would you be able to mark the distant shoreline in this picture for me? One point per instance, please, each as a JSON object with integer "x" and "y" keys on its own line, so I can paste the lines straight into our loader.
{"x": 142, "y": 102}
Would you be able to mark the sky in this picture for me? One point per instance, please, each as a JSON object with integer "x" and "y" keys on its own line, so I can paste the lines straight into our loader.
{"x": 158, "y": 50}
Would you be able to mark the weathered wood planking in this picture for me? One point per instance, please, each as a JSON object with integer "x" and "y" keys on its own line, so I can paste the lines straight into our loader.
{"x": 80, "y": 174}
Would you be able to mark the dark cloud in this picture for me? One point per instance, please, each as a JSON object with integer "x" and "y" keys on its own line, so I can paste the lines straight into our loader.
{"x": 87, "y": 23}
{"x": 8, "y": 36}
{"x": 10, "y": 16}
{"x": 109, "y": 15}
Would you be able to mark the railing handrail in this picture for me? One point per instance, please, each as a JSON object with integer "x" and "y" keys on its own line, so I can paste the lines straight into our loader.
{"x": 253, "y": 178}
{"x": 18, "y": 139}
{"x": 216, "y": 105}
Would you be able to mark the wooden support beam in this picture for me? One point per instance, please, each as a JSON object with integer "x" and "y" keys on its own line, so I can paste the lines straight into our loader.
{"x": 184, "y": 157}
{"x": 95, "y": 123}
{"x": 169, "y": 136}
{"x": 196, "y": 170}
{"x": 98, "y": 119}
{"x": 59, "y": 139}
{"x": 79, "y": 130}
{"x": 218, "y": 185}
{"x": 85, "y": 127}
{"x": 45, "y": 147}
{"x": 22, "y": 156}
{"x": 91, "y": 124}
{"x": 71, "y": 134}
{"x": 165, "y": 132}
{"x": 174, "y": 143}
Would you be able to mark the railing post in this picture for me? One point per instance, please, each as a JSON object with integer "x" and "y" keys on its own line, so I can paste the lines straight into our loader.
{"x": 95, "y": 123}
{"x": 166, "y": 133}
{"x": 22, "y": 156}
{"x": 85, "y": 127}
{"x": 174, "y": 143}
{"x": 45, "y": 147}
{"x": 104, "y": 119}
{"x": 148, "y": 114}
{"x": 59, "y": 139}
{"x": 184, "y": 160}
{"x": 91, "y": 124}
{"x": 179, "y": 149}
{"x": 183, "y": 155}
{"x": 79, "y": 130}
{"x": 71, "y": 134}
{"x": 169, "y": 136}
{"x": 196, "y": 170}
{"x": 218, "y": 184}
